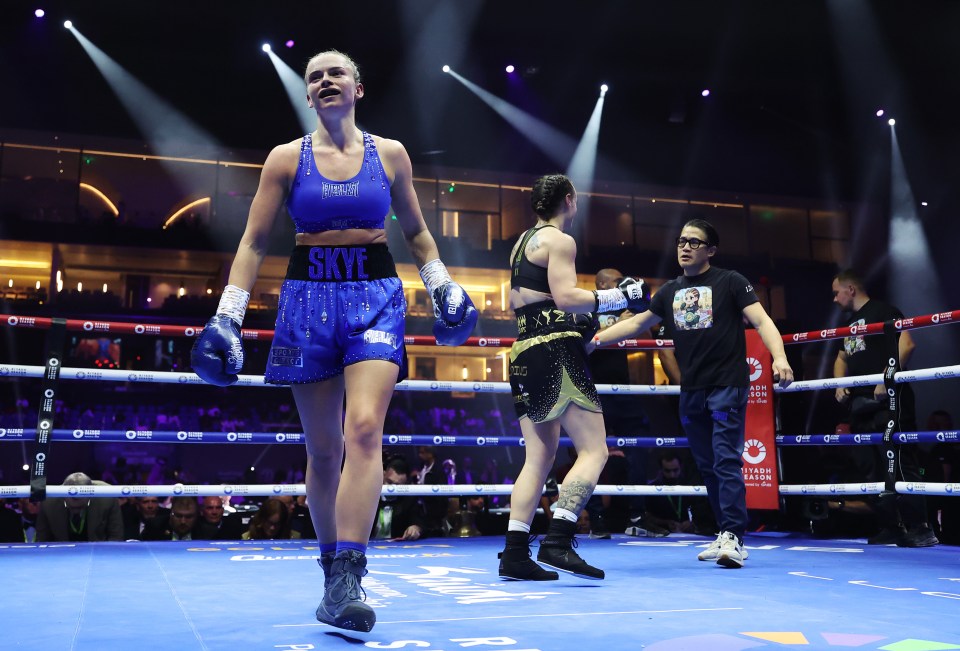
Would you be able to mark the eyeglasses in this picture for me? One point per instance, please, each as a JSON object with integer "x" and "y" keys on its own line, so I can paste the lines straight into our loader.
{"x": 692, "y": 241}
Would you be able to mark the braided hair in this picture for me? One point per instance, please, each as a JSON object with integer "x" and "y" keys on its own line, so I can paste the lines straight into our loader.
{"x": 548, "y": 194}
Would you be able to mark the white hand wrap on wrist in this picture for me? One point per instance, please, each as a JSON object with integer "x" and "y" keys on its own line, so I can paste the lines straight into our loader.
{"x": 434, "y": 274}
{"x": 233, "y": 303}
{"x": 610, "y": 300}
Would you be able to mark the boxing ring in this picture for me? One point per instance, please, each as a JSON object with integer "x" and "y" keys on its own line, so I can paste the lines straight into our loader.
{"x": 442, "y": 594}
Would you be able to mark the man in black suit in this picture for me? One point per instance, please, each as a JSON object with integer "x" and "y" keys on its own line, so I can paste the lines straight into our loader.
{"x": 431, "y": 473}
{"x": 138, "y": 513}
{"x": 179, "y": 525}
{"x": 398, "y": 516}
{"x": 214, "y": 524}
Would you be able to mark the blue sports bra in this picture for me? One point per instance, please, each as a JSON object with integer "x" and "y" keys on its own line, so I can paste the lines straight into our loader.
{"x": 318, "y": 204}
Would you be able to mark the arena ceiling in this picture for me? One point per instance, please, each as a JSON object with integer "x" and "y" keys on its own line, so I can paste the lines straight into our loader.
{"x": 794, "y": 84}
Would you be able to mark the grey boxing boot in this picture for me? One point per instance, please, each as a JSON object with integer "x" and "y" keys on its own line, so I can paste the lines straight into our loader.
{"x": 326, "y": 563}
{"x": 342, "y": 604}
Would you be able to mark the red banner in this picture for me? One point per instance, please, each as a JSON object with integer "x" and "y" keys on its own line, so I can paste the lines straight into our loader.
{"x": 759, "y": 450}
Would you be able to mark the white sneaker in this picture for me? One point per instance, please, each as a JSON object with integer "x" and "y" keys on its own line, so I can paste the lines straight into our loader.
{"x": 712, "y": 552}
{"x": 732, "y": 553}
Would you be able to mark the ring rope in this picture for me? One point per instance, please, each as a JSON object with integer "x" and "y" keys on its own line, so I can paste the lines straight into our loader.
{"x": 440, "y": 440}
{"x": 154, "y": 330}
{"x": 866, "y": 489}
{"x": 871, "y": 488}
{"x": 244, "y": 490}
{"x": 284, "y": 438}
{"x": 118, "y": 327}
{"x": 870, "y": 438}
{"x": 169, "y": 377}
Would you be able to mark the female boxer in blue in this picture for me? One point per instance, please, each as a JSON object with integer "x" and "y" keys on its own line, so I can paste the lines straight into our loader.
{"x": 340, "y": 323}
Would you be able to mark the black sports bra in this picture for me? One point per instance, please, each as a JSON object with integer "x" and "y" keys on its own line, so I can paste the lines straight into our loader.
{"x": 525, "y": 273}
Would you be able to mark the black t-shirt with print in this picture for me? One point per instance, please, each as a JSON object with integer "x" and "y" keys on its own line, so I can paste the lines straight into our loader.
{"x": 706, "y": 315}
{"x": 866, "y": 355}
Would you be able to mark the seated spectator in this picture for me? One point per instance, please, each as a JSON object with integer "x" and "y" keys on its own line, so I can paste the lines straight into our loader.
{"x": 399, "y": 517}
{"x": 11, "y": 530}
{"x": 76, "y": 519}
{"x": 178, "y": 525}
{"x": 138, "y": 513}
{"x": 28, "y": 518}
{"x": 435, "y": 509}
{"x": 214, "y": 524}
{"x": 677, "y": 513}
{"x": 301, "y": 526}
{"x": 270, "y": 522}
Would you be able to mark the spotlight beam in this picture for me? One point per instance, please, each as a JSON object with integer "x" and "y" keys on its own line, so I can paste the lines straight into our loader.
{"x": 584, "y": 160}
{"x": 914, "y": 284}
{"x": 553, "y": 142}
{"x": 296, "y": 92}
{"x": 583, "y": 164}
{"x": 169, "y": 131}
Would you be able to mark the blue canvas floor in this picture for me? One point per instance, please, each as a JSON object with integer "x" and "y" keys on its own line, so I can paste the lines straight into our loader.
{"x": 445, "y": 594}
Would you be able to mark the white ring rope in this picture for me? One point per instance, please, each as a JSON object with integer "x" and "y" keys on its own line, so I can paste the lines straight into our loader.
{"x": 167, "y": 377}
{"x": 248, "y": 490}
{"x": 936, "y": 373}
{"x": 244, "y": 490}
{"x": 870, "y": 488}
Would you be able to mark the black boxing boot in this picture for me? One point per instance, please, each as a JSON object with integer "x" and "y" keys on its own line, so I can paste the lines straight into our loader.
{"x": 556, "y": 551}
{"x": 515, "y": 561}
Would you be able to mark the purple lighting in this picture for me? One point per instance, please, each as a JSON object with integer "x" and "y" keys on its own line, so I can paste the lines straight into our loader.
{"x": 880, "y": 113}
{"x": 289, "y": 43}
{"x": 510, "y": 69}
{"x": 39, "y": 13}
{"x": 705, "y": 92}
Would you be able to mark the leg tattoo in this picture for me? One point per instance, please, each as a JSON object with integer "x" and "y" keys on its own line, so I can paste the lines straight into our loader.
{"x": 574, "y": 495}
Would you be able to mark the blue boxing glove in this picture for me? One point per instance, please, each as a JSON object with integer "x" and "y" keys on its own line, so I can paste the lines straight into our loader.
{"x": 455, "y": 313}
{"x": 629, "y": 294}
{"x": 217, "y": 355}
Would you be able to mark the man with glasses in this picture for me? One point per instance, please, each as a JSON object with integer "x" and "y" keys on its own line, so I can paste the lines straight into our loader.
{"x": 707, "y": 305}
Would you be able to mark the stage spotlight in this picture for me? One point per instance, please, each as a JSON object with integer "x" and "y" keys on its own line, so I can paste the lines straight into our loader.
{"x": 705, "y": 92}
{"x": 510, "y": 69}
{"x": 891, "y": 122}
{"x": 603, "y": 89}
{"x": 446, "y": 68}
{"x": 880, "y": 113}
{"x": 923, "y": 203}
{"x": 289, "y": 43}
{"x": 39, "y": 13}
{"x": 266, "y": 47}
{"x": 68, "y": 24}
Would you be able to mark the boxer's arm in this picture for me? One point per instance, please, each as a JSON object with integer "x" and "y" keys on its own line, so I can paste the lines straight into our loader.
{"x": 562, "y": 273}
{"x": 403, "y": 198}
{"x": 274, "y": 181}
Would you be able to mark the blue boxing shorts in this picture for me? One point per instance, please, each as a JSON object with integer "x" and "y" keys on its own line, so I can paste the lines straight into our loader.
{"x": 339, "y": 305}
